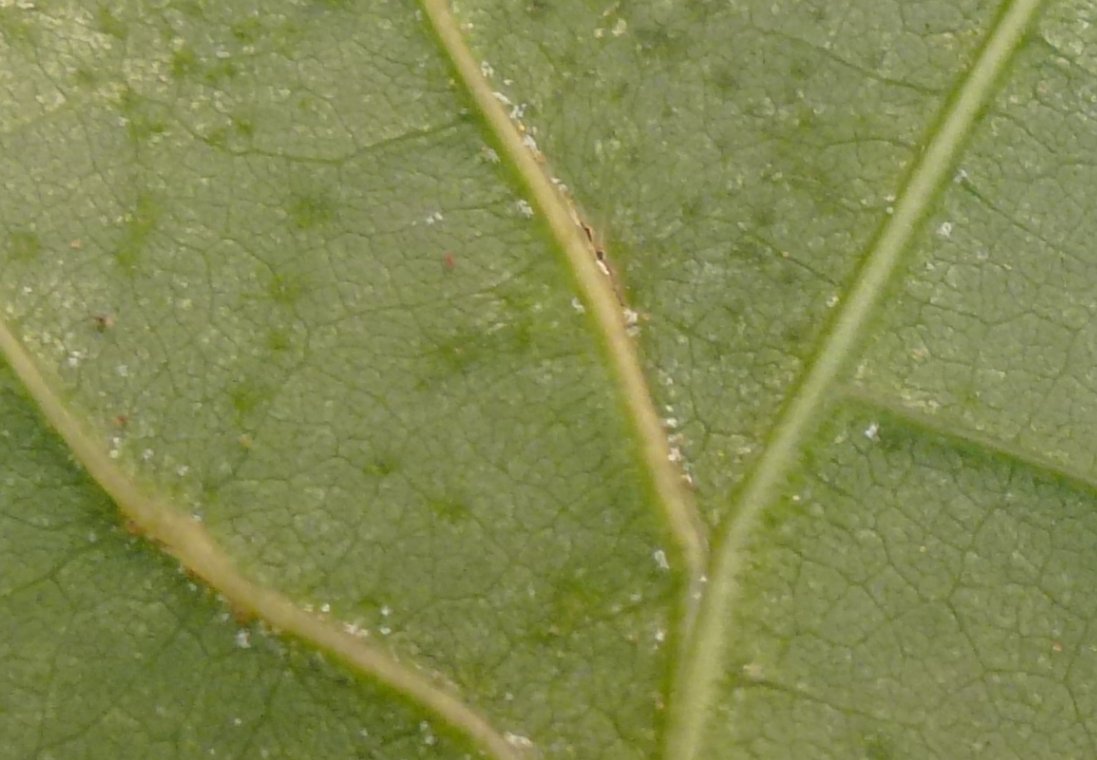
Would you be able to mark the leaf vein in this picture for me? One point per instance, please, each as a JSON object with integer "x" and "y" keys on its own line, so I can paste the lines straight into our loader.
{"x": 697, "y": 678}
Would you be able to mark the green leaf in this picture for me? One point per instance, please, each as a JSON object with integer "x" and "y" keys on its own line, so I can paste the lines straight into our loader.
{"x": 324, "y": 431}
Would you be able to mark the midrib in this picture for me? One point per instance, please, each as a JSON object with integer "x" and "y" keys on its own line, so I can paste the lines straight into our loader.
{"x": 696, "y": 680}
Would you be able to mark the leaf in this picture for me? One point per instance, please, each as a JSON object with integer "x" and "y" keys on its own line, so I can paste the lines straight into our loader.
{"x": 295, "y": 287}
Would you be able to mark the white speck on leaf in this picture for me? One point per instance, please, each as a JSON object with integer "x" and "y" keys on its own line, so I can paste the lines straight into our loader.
{"x": 872, "y": 432}
{"x": 243, "y": 638}
{"x": 660, "y": 558}
{"x": 517, "y": 740}
{"x": 525, "y": 209}
{"x": 945, "y": 230}
{"x": 578, "y": 306}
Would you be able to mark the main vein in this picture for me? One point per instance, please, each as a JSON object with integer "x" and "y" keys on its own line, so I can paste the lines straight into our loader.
{"x": 704, "y": 663}
{"x": 189, "y": 542}
{"x": 674, "y": 498}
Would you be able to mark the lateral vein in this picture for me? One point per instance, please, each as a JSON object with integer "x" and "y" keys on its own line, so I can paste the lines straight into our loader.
{"x": 190, "y": 543}
{"x": 599, "y": 295}
{"x": 696, "y": 681}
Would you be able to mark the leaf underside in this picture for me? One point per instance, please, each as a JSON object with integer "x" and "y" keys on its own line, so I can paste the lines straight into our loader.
{"x": 281, "y": 267}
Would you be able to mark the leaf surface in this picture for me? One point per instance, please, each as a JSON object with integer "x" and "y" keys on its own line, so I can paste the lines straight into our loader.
{"x": 297, "y": 287}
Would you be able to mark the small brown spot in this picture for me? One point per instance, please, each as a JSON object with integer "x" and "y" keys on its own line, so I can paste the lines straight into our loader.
{"x": 76, "y": 244}
{"x": 121, "y": 420}
{"x": 449, "y": 261}
{"x": 103, "y": 322}
{"x": 243, "y": 616}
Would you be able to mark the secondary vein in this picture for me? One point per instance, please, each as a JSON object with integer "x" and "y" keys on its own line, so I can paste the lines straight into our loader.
{"x": 189, "y": 542}
{"x": 598, "y": 294}
{"x": 968, "y": 438}
{"x": 696, "y": 680}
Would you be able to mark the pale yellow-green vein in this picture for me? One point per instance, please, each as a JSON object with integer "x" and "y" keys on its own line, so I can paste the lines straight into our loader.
{"x": 189, "y": 542}
{"x": 697, "y": 679}
{"x": 596, "y": 290}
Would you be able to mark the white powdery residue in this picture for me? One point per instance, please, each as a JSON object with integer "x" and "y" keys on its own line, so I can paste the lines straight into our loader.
{"x": 660, "y": 636}
{"x": 632, "y": 317}
{"x": 434, "y": 218}
{"x": 517, "y": 740}
{"x": 486, "y": 70}
{"x": 502, "y": 98}
{"x": 243, "y": 639}
{"x": 428, "y": 735}
{"x": 872, "y": 432}
{"x": 675, "y": 455}
{"x": 525, "y": 209}
{"x": 578, "y": 306}
{"x": 945, "y": 230}
{"x": 530, "y": 143}
{"x": 489, "y": 155}
{"x": 660, "y": 558}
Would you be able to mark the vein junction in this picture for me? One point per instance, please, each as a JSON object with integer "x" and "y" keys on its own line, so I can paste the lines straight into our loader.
{"x": 697, "y": 680}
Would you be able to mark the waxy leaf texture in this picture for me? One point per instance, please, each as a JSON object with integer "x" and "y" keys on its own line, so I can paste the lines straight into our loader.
{"x": 570, "y": 379}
